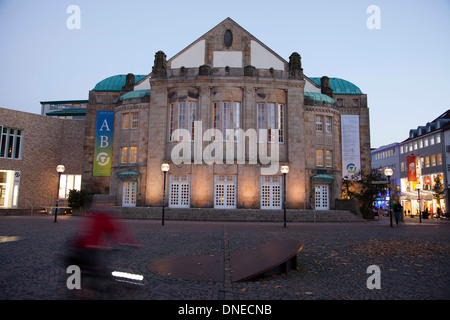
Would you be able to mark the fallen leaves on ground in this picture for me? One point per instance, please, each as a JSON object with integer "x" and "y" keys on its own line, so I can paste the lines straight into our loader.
{"x": 401, "y": 248}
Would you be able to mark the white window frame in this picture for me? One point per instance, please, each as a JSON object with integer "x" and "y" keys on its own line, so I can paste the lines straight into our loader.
{"x": 182, "y": 115}
{"x": 225, "y": 192}
{"x": 226, "y": 115}
{"x": 322, "y": 197}
{"x": 328, "y": 124}
{"x": 179, "y": 191}
{"x": 271, "y": 192}
{"x": 11, "y": 138}
{"x": 271, "y": 116}
{"x": 129, "y": 194}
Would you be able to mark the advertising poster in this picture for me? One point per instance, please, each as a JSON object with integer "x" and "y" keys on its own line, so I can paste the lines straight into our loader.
{"x": 351, "y": 155}
{"x": 103, "y": 143}
{"x": 411, "y": 163}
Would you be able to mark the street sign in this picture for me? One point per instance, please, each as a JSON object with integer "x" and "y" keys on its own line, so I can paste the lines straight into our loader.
{"x": 379, "y": 182}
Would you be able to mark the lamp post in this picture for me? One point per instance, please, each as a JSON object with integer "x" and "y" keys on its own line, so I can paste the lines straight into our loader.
{"x": 388, "y": 173}
{"x": 165, "y": 168}
{"x": 418, "y": 188}
{"x": 60, "y": 169}
{"x": 284, "y": 171}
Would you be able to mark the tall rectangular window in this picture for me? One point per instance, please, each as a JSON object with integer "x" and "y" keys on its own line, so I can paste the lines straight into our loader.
{"x": 319, "y": 123}
{"x": 125, "y": 121}
{"x": 328, "y": 124}
{"x": 124, "y": 155}
{"x": 133, "y": 154}
{"x": 270, "y": 116}
{"x": 329, "y": 158}
{"x": 10, "y": 143}
{"x": 134, "y": 120}
{"x": 182, "y": 116}
{"x": 319, "y": 158}
{"x": 226, "y": 116}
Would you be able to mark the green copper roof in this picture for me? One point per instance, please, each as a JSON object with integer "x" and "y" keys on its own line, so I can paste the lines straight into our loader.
{"x": 319, "y": 97}
{"x": 135, "y": 94}
{"x": 340, "y": 86}
{"x": 68, "y": 112}
{"x": 115, "y": 83}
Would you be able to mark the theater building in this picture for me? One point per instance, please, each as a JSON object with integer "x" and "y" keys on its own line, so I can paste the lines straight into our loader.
{"x": 225, "y": 113}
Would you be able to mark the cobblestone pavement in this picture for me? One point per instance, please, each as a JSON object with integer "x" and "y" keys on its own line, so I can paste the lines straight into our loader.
{"x": 413, "y": 259}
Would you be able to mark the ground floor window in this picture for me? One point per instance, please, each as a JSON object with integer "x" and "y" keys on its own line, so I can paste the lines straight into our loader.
{"x": 9, "y": 188}
{"x": 179, "y": 191}
{"x": 129, "y": 194}
{"x": 321, "y": 197}
{"x": 225, "y": 192}
{"x": 271, "y": 192}
{"x": 69, "y": 182}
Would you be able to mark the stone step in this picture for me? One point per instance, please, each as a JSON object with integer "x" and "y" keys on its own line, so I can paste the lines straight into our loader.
{"x": 211, "y": 214}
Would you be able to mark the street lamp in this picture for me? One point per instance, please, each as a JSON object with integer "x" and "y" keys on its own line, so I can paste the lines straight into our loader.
{"x": 418, "y": 188}
{"x": 60, "y": 169}
{"x": 388, "y": 173}
{"x": 165, "y": 168}
{"x": 284, "y": 171}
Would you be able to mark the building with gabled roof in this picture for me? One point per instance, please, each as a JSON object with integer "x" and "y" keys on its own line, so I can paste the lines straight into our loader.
{"x": 225, "y": 113}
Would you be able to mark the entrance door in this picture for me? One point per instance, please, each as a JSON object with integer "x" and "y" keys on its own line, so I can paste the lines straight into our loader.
{"x": 321, "y": 197}
{"x": 179, "y": 194}
{"x": 271, "y": 192}
{"x": 129, "y": 194}
{"x": 225, "y": 192}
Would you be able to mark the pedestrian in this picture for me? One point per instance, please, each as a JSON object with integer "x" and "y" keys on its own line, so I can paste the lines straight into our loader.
{"x": 397, "y": 211}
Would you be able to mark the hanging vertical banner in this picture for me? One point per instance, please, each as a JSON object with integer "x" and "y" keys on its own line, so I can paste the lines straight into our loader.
{"x": 411, "y": 163}
{"x": 103, "y": 143}
{"x": 351, "y": 155}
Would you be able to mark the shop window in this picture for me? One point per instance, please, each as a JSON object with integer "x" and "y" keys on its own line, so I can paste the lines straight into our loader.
{"x": 68, "y": 182}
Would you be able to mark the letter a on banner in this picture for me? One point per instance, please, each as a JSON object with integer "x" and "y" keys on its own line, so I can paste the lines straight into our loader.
{"x": 103, "y": 143}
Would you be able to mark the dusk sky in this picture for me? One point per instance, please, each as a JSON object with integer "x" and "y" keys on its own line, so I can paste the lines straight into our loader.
{"x": 403, "y": 66}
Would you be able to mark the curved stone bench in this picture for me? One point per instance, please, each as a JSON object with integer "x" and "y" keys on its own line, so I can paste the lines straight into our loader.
{"x": 270, "y": 258}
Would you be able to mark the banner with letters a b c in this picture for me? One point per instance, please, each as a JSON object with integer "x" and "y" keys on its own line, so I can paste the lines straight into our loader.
{"x": 104, "y": 132}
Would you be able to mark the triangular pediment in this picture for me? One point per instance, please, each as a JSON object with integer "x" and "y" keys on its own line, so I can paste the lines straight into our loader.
{"x": 228, "y": 45}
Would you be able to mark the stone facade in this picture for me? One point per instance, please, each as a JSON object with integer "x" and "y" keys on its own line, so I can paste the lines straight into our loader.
{"x": 226, "y": 68}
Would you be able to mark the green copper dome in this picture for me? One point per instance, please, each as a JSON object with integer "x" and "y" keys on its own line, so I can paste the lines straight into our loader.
{"x": 115, "y": 83}
{"x": 340, "y": 86}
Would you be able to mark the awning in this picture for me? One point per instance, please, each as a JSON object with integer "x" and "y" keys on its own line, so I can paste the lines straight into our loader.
{"x": 128, "y": 175}
{"x": 323, "y": 177}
